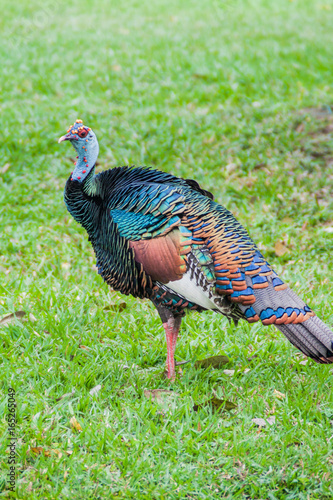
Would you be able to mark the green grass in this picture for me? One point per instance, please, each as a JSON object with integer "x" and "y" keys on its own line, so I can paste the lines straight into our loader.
{"x": 237, "y": 96}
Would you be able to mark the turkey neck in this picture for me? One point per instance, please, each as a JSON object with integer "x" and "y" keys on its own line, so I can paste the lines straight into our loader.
{"x": 83, "y": 200}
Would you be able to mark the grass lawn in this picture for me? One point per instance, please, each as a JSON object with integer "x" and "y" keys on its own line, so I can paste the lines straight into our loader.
{"x": 236, "y": 95}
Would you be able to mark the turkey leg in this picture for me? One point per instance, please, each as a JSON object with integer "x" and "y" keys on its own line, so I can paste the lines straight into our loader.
{"x": 171, "y": 326}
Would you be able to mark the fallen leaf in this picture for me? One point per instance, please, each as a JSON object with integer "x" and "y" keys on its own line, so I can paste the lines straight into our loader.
{"x": 68, "y": 394}
{"x": 279, "y": 394}
{"x": 75, "y": 424}
{"x": 11, "y": 318}
{"x": 84, "y": 347}
{"x": 262, "y": 422}
{"x": 280, "y": 249}
{"x": 36, "y": 449}
{"x": 216, "y": 404}
{"x": 39, "y": 450}
{"x": 240, "y": 470}
{"x": 5, "y": 168}
{"x": 229, "y": 372}
{"x": 213, "y": 361}
{"x": 95, "y": 390}
{"x": 300, "y": 128}
{"x": 32, "y": 318}
{"x": 328, "y": 229}
{"x": 115, "y": 306}
{"x": 199, "y": 427}
{"x": 304, "y": 362}
{"x": 180, "y": 363}
{"x": 158, "y": 394}
{"x": 65, "y": 265}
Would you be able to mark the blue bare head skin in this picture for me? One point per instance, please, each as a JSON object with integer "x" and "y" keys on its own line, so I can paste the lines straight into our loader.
{"x": 85, "y": 143}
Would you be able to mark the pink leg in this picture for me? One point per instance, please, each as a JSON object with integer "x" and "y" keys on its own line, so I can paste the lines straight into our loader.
{"x": 171, "y": 328}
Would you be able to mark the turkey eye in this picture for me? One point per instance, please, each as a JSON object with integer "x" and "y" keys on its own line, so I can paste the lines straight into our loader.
{"x": 83, "y": 133}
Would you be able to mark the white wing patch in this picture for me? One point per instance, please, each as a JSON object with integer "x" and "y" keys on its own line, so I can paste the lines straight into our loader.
{"x": 192, "y": 292}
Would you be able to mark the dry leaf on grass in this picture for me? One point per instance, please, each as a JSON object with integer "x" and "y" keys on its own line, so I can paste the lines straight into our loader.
{"x": 181, "y": 363}
{"x": 158, "y": 394}
{"x": 280, "y": 249}
{"x": 75, "y": 424}
{"x": 11, "y": 318}
{"x": 39, "y": 450}
{"x": 95, "y": 390}
{"x": 262, "y": 422}
{"x": 32, "y": 318}
{"x": 36, "y": 449}
{"x": 279, "y": 394}
{"x": 216, "y": 404}
{"x": 4, "y": 169}
{"x": 213, "y": 361}
{"x": 68, "y": 394}
{"x": 229, "y": 372}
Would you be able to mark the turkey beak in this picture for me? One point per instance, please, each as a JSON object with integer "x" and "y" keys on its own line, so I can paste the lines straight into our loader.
{"x": 66, "y": 137}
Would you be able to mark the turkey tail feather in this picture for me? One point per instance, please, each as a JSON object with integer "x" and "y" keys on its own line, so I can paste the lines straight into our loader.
{"x": 277, "y": 305}
{"x": 312, "y": 337}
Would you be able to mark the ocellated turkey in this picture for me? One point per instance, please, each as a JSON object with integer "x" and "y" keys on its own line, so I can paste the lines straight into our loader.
{"x": 161, "y": 237}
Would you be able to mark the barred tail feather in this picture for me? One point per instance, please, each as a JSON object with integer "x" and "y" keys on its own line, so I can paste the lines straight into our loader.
{"x": 278, "y": 305}
{"x": 312, "y": 337}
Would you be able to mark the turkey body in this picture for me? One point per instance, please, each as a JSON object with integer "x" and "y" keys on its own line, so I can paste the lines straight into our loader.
{"x": 160, "y": 237}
